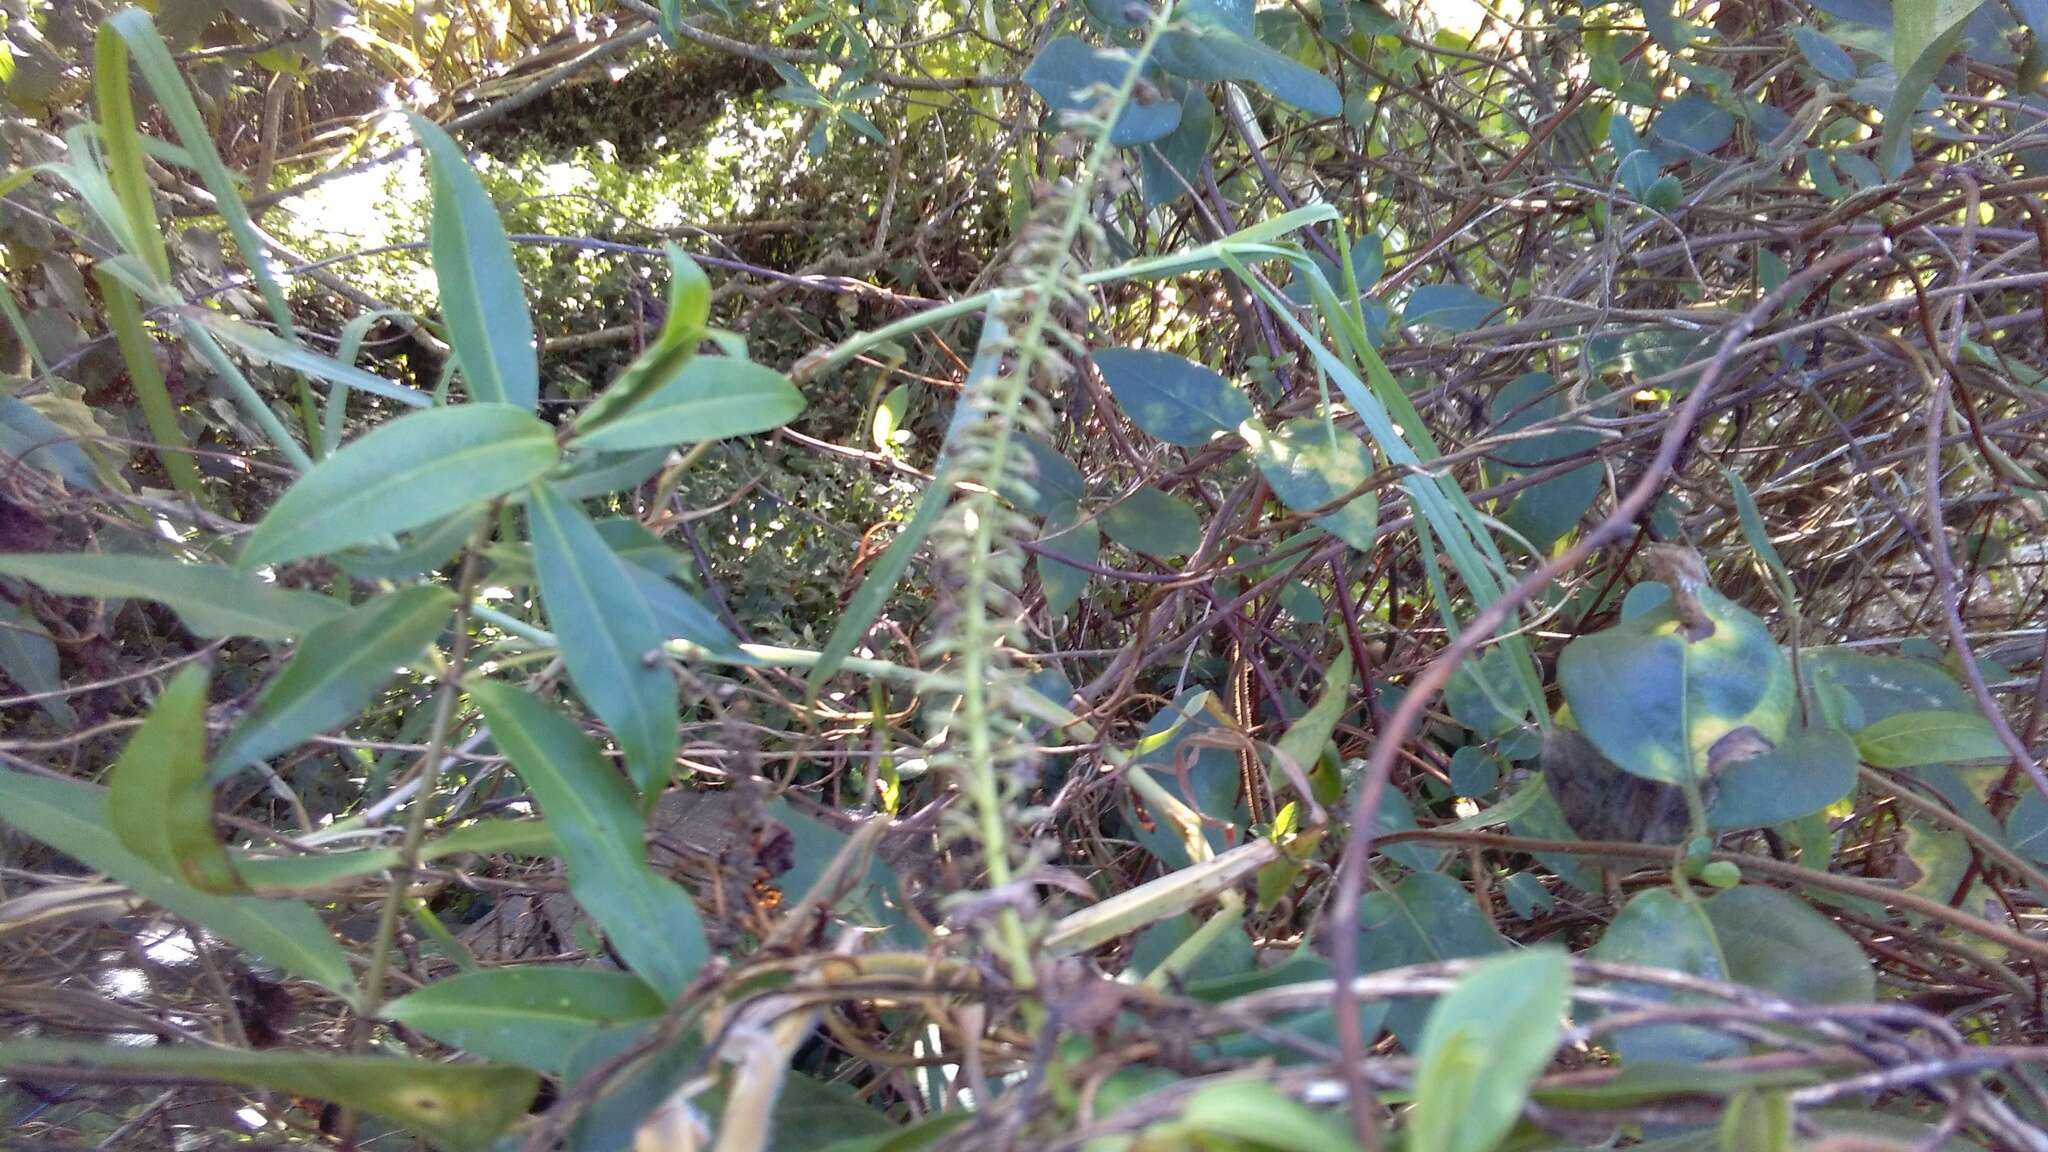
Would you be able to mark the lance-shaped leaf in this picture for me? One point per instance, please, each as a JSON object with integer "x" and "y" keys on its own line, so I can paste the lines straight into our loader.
{"x": 482, "y": 300}
{"x": 610, "y": 637}
{"x": 460, "y": 1107}
{"x": 589, "y": 806}
{"x": 1917, "y": 739}
{"x": 158, "y": 800}
{"x": 689, "y": 308}
{"x": 413, "y": 471}
{"x": 532, "y": 1017}
{"x": 213, "y": 601}
{"x": 71, "y": 817}
{"x": 701, "y": 398}
{"x": 336, "y": 670}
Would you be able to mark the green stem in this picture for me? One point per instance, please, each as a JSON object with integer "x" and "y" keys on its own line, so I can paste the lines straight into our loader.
{"x": 124, "y": 316}
{"x": 429, "y": 771}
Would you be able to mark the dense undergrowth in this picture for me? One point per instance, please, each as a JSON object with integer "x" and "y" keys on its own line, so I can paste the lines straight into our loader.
{"x": 872, "y": 576}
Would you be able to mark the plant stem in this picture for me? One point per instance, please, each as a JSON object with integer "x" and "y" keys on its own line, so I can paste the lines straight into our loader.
{"x": 429, "y": 770}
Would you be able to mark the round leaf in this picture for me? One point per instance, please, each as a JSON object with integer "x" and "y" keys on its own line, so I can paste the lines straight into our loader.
{"x": 1154, "y": 523}
{"x": 1309, "y": 463}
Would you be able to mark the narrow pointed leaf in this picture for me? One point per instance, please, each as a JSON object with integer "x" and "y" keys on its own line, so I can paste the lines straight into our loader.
{"x": 158, "y": 801}
{"x": 531, "y": 1017}
{"x": 611, "y": 638}
{"x": 651, "y": 922}
{"x": 1917, "y": 739}
{"x": 336, "y": 670}
{"x": 326, "y": 869}
{"x": 259, "y": 344}
{"x": 689, "y": 308}
{"x": 460, "y": 1107}
{"x": 212, "y": 600}
{"x": 705, "y": 398}
{"x": 413, "y": 471}
{"x": 483, "y": 302}
{"x": 154, "y": 63}
{"x": 71, "y": 817}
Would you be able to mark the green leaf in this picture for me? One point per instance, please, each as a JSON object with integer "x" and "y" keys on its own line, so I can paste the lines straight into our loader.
{"x": 1304, "y": 739}
{"x": 2027, "y": 827}
{"x": 651, "y": 922}
{"x": 1485, "y": 1042}
{"x": 809, "y": 1107}
{"x": 146, "y": 377}
{"x": 1694, "y": 123}
{"x": 1173, "y": 165}
{"x": 159, "y": 803}
{"x": 1309, "y": 463}
{"x": 1824, "y": 55}
{"x": 1626, "y": 689}
{"x": 271, "y": 349}
{"x": 1218, "y": 40}
{"x": 1530, "y": 400}
{"x": 679, "y": 616}
{"x": 1428, "y": 916}
{"x": 1255, "y": 1112}
{"x": 1152, "y": 522}
{"x": 1057, "y": 487}
{"x": 212, "y": 600}
{"x": 532, "y": 1017}
{"x": 1317, "y": 1024}
{"x": 1812, "y": 769}
{"x": 1917, "y": 739}
{"x": 1452, "y": 307}
{"x": 1175, "y": 400}
{"x": 122, "y": 141}
{"x": 460, "y": 1107}
{"x": 337, "y": 668}
{"x": 1655, "y": 703}
{"x": 29, "y": 657}
{"x": 30, "y": 437}
{"x": 1777, "y": 942}
{"x": 483, "y": 302}
{"x": 71, "y": 817}
{"x": 153, "y": 61}
{"x": 889, "y": 416}
{"x": 1475, "y": 772}
{"x": 1063, "y": 583}
{"x": 1072, "y": 77}
{"x": 1924, "y": 33}
{"x": 409, "y": 472}
{"x": 711, "y": 398}
{"x": 610, "y": 637}
{"x": 1657, "y": 929}
{"x": 1882, "y": 686}
{"x": 326, "y": 869}
{"x": 689, "y": 307}
{"x": 416, "y": 554}
{"x": 1940, "y": 857}
{"x": 1545, "y": 512}
{"x": 588, "y": 475}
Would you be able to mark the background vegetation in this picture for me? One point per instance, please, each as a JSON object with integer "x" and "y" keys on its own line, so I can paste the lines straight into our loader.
{"x": 1145, "y": 576}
